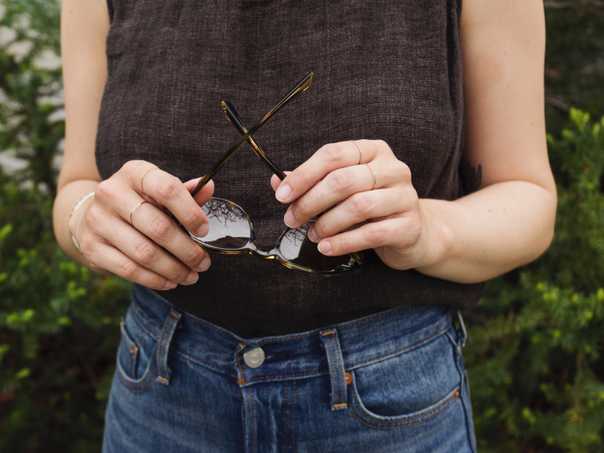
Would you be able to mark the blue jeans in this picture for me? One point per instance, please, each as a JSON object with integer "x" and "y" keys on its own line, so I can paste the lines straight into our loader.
{"x": 393, "y": 381}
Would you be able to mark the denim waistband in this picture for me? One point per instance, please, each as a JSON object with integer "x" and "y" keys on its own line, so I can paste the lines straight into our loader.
{"x": 298, "y": 355}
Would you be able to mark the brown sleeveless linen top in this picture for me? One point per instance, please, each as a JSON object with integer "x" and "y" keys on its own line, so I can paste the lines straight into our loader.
{"x": 383, "y": 70}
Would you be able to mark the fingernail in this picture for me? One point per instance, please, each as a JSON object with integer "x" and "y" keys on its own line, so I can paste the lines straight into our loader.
{"x": 191, "y": 278}
{"x": 204, "y": 265}
{"x": 283, "y": 192}
{"x": 324, "y": 247}
{"x": 312, "y": 235}
{"x": 170, "y": 285}
{"x": 203, "y": 230}
{"x": 289, "y": 219}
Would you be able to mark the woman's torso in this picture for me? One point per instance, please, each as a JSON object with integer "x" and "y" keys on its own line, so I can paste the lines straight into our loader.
{"x": 383, "y": 70}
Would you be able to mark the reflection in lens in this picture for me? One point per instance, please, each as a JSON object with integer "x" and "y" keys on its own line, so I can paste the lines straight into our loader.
{"x": 297, "y": 248}
{"x": 229, "y": 224}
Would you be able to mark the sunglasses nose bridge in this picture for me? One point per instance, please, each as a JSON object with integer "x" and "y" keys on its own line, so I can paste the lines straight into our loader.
{"x": 273, "y": 253}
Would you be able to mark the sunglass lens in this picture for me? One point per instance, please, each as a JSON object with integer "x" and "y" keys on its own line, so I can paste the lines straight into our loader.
{"x": 295, "y": 247}
{"x": 229, "y": 224}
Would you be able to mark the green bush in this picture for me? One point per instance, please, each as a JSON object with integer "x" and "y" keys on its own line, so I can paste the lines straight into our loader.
{"x": 57, "y": 333}
{"x": 535, "y": 355}
{"x": 536, "y": 340}
{"x": 31, "y": 120}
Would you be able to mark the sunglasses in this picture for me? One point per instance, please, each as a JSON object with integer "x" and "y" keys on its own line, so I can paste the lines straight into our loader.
{"x": 231, "y": 230}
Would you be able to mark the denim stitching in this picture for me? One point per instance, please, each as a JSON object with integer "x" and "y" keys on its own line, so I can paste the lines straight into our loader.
{"x": 264, "y": 378}
{"x": 142, "y": 383}
{"x": 468, "y": 392}
{"x": 178, "y": 352}
{"x": 409, "y": 348}
{"x": 458, "y": 360}
{"x": 335, "y": 362}
{"x": 287, "y": 413}
{"x": 379, "y": 316}
{"x": 243, "y": 419}
{"x": 163, "y": 346}
{"x": 146, "y": 380}
{"x": 358, "y": 412}
{"x": 129, "y": 344}
{"x": 293, "y": 426}
{"x": 253, "y": 425}
{"x": 143, "y": 322}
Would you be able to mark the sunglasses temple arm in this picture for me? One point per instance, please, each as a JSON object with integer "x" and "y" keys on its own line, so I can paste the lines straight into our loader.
{"x": 233, "y": 116}
{"x": 204, "y": 179}
{"x": 262, "y": 155}
{"x": 300, "y": 87}
{"x": 218, "y": 165}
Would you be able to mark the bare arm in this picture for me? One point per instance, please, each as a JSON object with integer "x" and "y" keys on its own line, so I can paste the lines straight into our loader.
{"x": 507, "y": 223}
{"x": 510, "y": 221}
{"x": 84, "y": 25}
{"x": 149, "y": 248}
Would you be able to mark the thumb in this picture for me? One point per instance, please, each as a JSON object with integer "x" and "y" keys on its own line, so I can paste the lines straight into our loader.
{"x": 206, "y": 192}
{"x": 276, "y": 181}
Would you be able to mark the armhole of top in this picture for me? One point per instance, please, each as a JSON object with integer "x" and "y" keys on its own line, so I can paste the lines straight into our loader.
{"x": 110, "y": 9}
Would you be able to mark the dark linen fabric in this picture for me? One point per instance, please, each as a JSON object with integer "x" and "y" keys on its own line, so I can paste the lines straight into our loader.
{"x": 383, "y": 70}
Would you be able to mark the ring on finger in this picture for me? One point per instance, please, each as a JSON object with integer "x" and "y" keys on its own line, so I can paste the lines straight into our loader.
{"x": 372, "y": 176}
{"x": 360, "y": 153}
{"x": 133, "y": 210}
{"x": 142, "y": 191}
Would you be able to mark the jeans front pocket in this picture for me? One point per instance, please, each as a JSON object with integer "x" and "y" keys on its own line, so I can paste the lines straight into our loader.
{"x": 135, "y": 356}
{"x": 410, "y": 388}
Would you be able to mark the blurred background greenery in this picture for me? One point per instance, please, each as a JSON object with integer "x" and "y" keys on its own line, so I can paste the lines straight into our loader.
{"x": 536, "y": 341}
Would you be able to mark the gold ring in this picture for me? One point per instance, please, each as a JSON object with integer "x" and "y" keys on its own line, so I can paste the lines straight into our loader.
{"x": 372, "y": 175}
{"x": 143, "y": 178}
{"x": 360, "y": 154}
{"x": 138, "y": 205}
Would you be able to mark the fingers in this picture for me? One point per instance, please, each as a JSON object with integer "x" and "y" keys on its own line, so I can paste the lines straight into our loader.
{"x": 204, "y": 194}
{"x": 140, "y": 249}
{"x": 404, "y": 230}
{"x": 161, "y": 229}
{"x": 168, "y": 191}
{"x": 107, "y": 257}
{"x": 337, "y": 186}
{"x": 152, "y": 222}
{"x": 360, "y": 207}
{"x": 275, "y": 180}
{"x": 326, "y": 159}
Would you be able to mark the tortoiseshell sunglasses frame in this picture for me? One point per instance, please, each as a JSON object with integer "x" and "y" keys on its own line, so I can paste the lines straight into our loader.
{"x": 355, "y": 260}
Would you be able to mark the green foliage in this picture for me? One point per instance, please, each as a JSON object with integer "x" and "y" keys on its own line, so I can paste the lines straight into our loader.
{"x": 57, "y": 333}
{"x": 535, "y": 356}
{"x": 575, "y": 67}
{"x": 535, "y": 352}
{"x": 31, "y": 121}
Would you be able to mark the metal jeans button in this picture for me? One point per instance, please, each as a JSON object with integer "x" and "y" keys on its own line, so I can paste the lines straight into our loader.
{"x": 254, "y": 357}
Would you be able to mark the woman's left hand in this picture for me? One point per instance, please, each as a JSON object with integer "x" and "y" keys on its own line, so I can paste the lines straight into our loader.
{"x": 364, "y": 198}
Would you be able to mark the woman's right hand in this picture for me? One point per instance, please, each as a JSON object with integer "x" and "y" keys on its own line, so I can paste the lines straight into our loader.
{"x": 152, "y": 250}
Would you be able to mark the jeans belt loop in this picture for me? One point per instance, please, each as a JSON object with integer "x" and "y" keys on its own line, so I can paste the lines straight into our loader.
{"x": 163, "y": 346}
{"x": 462, "y": 328}
{"x": 337, "y": 374}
